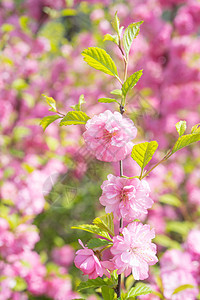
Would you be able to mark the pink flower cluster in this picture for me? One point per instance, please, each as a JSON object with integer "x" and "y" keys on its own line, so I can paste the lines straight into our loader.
{"x": 126, "y": 198}
{"x": 109, "y": 136}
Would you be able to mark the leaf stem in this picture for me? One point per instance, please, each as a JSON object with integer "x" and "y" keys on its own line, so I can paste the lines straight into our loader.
{"x": 158, "y": 163}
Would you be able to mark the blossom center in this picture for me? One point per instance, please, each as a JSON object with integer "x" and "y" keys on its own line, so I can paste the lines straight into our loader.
{"x": 127, "y": 193}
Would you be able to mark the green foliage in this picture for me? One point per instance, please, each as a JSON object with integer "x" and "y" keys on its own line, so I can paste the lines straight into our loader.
{"x": 131, "y": 82}
{"x": 165, "y": 241}
{"x": 195, "y": 129}
{"x": 130, "y": 34}
{"x": 95, "y": 243}
{"x": 181, "y": 127}
{"x": 19, "y": 84}
{"x": 107, "y": 293}
{"x": 180, "y": 227}
{"x": 117, "y": 92}
{"x": 111, "y": 38}
{"x": 81, "y": 101}
{"x": 96, "y": 283}
{"x": 24, "y": 24}
{"x": 105, "y": 223}
{"x": 139, "y": 289}
{"x": 116, "y": 25}
{"x": 74, "y": 118}
{"x": 7, "y": 27}
{"x": 142, "y": 153}
{"x": 107, "y": 100}
{"x": 46, "y": 121}
{"x": 93, "y": 229}
{"x": 182, "y": 288}
{"x": 100, "y": 60}
{"x": 20, "y": 284}
{"x": 170, "y": 200}
{"x": 51, "y": 102}
{"x": 186, "y": 140}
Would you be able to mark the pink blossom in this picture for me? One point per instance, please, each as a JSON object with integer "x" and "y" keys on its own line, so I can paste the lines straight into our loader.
{"x": 127, "y": 198}
{"x": 134, "y": 251}
{"x": 108, "y": 136}
{"x": 89, "y": 263}
{"x": 63, "y": 256}
{"x": 193, "y": 242}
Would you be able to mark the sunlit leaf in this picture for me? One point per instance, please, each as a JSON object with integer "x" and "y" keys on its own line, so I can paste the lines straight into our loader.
{"x": 95, "y": 243}
{"x": 185, "y": 140}
{"x": 131, "y": 82}
{"x": 95, "y": 283}
{"x": 74, "y": 118}
{"x": 142, "y": 153}
{"x": 139, "y": 289}
{"x": 111, "y": 38}
{"x": 130, "y": 34}
{"x": 51, "y": 102}
{"x": 46, "y": 121}
{"x": 105, "y": 223}
{"x": 170, "y": 200}
{"x": 93, "y": 229}
{"x": 100, "y": 60}
{"x": 182, "y": 288}
{"x": 107, "y": 100}
{"x": 181, "y": 127}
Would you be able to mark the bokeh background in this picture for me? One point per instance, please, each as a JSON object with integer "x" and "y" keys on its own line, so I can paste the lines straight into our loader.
{"x": 48, "y": 182}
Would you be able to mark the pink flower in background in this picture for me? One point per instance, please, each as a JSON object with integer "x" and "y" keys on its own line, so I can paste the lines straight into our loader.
{"x": 193, "y": 242}
{"x": 127, "y": 198}
{"x": 89, "y": 263}
{"x": 134, "y": 252}
{"x": 108, "y": 136}
{"x": 63, "y": 256}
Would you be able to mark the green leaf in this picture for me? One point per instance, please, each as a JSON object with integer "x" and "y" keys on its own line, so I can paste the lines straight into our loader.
{"x": 107, "y": 293}
{"x": 182, "y": 288}
{"x": 100, "y": 60}
{"x": 24, "y": 24}
{"x": 111, "y": 38}
{"x": 130, "y": 34}
{"x": 117, "y": 92}
{"x": 20, "y": 284}
{"x": 182, "y": 228}
{"x": 105, "y": 223}
{"x": 95, "y": 283}
{"x": 6, "y": 27}
{"x": 107, "y": 100}
{"x": 116, "y": 25}
{"x": 196, "y": 129}
{"x": 142, "y": 153}
{"x": 95, "y": 243}
{"x": 139, "y": 289}
{"x": 19, "y": 84}
{"x": 46, "y": 121}
{"x": 93, "y": 229}
{"x": 181, "y": 127}
{"x": 74, "y": 118}
{"x": 81, "y": 101}
{"x": 170, "y": 200}
{"x": 185, "y": 140}
{"x": 165, "y": 241}
{"x": 131, "y": 82}
{"x": 51, "y": 102}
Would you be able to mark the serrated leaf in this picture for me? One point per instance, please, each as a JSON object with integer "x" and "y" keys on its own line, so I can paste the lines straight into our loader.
{"x": 107, "y": 100}
{"x": 181, "y": 127}
{"x": 117, "y": 92}
{"x": 81, "y": 101}
{"x": 100, "y": 60}
{"x": 51, "y": 102}
{"x": 182, "y": 288}
{"x": 105, "y": 223}
{"x": 130, "y": 34}
{"x": 95, "y": 243}
{"x": 74, "y": 118}
{"x": 107, "y": 293}
{"x": 46, "y": 121}
{"x": 93, "y": 229}
{"x": 111, "y": 38}
{"x": 170, "y": 200}
{"x": 95, "y": 283}
{"x": 196, "y": 129}
{"x": 116, "y": 23}
{"x": 165, "y": 241}
{"x": 185, "y": 141}
{"x": 131, "y": 82}
{"x": 138, "y": 290}
{"x": 142, "y": 153}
